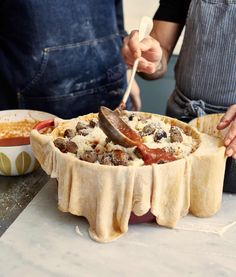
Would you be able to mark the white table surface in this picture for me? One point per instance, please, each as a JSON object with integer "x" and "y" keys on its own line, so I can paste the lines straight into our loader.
{"x": 43, "y": 242}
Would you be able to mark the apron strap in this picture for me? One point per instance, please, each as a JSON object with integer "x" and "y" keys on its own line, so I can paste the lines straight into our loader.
{"x": 195, "y": 108}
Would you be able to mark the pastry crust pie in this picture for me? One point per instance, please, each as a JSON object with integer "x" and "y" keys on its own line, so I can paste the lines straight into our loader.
{"x": 84, "y": 139}
{"x": 105, "y": 182}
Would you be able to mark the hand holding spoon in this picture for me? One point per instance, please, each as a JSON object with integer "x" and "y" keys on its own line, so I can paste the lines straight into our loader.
{"x": 145, "y": 28}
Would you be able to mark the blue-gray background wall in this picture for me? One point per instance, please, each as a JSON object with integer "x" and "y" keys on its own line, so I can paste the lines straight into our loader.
{"x": 155, "y": 93}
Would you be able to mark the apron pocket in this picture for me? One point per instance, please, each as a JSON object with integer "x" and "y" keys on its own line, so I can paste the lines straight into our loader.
{"x": 79, "y": 66}
{"x": 75, "y": 79}
{"x": 36, "y": 73}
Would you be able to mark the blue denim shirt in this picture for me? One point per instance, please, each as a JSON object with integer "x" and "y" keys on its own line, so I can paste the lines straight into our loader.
{"x": 61, "y": 56}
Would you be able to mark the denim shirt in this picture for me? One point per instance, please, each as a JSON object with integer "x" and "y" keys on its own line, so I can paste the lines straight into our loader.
{"x": 61, "y": 56}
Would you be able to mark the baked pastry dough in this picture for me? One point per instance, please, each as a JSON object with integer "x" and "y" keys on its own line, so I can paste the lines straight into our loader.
{"x": 88, "y": 142}
{"x": 106, "y": 194}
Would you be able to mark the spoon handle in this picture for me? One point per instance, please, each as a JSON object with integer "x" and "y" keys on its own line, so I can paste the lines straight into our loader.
{"x": 128, "y": 89}
{"x": 145, "y": 28}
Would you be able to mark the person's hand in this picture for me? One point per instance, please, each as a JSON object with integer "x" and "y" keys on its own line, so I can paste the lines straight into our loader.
{"x": 134, "y": 93}
{"x": 229, "y": 119}
{"x": 148, "y": 51}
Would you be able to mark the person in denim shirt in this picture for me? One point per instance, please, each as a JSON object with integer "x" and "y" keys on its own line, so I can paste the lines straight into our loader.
{"x": 62, "y": 57}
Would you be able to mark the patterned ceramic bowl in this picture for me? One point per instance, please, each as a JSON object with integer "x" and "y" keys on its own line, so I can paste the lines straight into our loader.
{"x": 16, "y": 156}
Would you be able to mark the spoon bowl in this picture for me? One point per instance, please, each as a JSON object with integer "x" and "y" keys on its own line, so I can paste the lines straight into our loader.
{"x": 116, "y": 129}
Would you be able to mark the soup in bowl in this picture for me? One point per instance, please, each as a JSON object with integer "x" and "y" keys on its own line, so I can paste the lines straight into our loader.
{"x": 16, "y": 156}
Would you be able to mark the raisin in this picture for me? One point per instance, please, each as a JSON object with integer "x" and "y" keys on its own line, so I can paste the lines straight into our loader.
{"x": 69, "y": 133}
{"x": 175, "y": 134}
{"x": 71, "y": 147}
{"x": 60, "y": 143}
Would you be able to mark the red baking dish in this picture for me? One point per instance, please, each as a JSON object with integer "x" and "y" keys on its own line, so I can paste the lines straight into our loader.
{"x": 44, "y": 124}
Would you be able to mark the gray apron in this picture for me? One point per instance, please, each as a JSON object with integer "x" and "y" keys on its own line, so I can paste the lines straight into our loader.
{"x": 206, "y": 68}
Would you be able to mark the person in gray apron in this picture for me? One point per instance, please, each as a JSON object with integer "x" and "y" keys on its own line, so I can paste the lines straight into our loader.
{"x": 206, "y": 68}
{"x": 62, "y": 57}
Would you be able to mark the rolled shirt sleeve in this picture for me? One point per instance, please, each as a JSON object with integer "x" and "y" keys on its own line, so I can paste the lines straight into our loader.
{"x": 173, "y": 11}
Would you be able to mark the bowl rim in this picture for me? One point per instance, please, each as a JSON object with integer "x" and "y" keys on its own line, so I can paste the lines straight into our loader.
{"x": 26, "y": 110}
{"x": 14, "y": 142}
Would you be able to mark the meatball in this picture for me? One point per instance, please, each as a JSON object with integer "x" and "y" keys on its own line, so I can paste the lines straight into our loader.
{"x": 60, "y": 143}
{"x": 89, "y": 156}
{"x": 71, "y": 147}
{"x": 148, "y": 129}
{"x": 81, "y": 125}
{"x": 120, "y": 157}
{"x": 105, "y": 159}
{"x": 69, "y": 133}
{"x": 175, "y": 134}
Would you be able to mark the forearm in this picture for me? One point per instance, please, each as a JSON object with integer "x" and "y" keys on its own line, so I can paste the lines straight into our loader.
{"x": 167, "y": 34}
